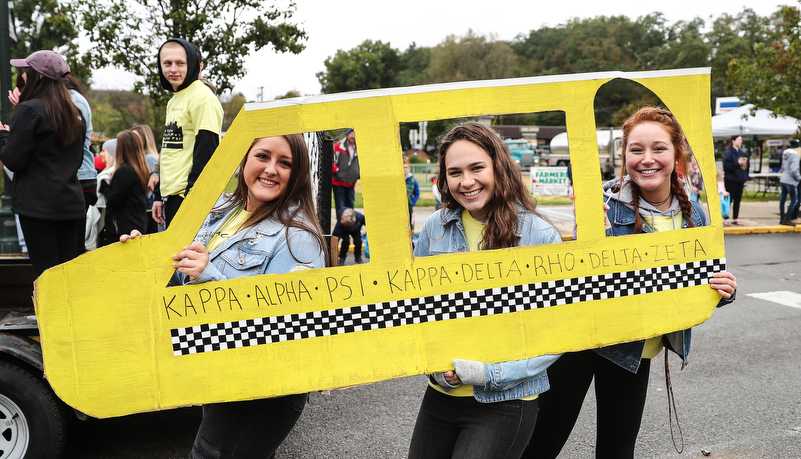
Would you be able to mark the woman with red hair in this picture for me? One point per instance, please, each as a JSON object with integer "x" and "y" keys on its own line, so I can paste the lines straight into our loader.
{"x": 650, "y": 196}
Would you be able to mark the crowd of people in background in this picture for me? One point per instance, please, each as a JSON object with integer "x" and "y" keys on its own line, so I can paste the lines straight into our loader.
{"x": 130, "y": 184}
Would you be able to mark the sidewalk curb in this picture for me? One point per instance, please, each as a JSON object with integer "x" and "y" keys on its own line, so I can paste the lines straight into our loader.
{"x": 735, "y": 230}
{"x": 762, "y": 229}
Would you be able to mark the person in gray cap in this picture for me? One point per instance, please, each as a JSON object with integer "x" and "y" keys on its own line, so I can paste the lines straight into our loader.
{"x": 44, "y": 149}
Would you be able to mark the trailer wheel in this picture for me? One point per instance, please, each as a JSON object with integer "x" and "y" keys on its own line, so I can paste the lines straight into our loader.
{"x": 32, "y": 422}
{"x": 562, "y": 163}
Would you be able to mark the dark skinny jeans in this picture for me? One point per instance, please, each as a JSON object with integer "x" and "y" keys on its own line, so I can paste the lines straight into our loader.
{"x": 51, "y": 242}
{"x": 735, "y": 190}
{"x": 246, "y": 430}
{"x": 620, "y": 398}
{"x": 463, "y": 427}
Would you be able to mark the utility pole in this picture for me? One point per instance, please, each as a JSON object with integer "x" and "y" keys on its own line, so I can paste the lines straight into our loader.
{"x": 9, "y": 243}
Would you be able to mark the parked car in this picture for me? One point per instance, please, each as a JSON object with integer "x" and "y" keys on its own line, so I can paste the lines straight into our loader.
{"x": 522, "y": 152}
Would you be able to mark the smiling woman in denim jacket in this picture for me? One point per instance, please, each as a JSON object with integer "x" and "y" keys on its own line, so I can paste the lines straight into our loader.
{"x": 480, "y": 410}
{"x": 650, "y": 198}
{"x": 266, "y": 226}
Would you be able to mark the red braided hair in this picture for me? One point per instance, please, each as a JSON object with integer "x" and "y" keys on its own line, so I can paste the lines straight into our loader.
{"x": 671, "y": 125}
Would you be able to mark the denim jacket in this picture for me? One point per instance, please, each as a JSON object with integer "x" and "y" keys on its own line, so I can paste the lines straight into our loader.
{"x": 628, "y": 355}
{"x": 259, "y": 249}
{"x": 443, "y": 233}
{"x": 87, "y": 170}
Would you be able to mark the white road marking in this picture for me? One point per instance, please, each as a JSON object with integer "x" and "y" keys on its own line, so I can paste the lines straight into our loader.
{"x": 791, "y": 299}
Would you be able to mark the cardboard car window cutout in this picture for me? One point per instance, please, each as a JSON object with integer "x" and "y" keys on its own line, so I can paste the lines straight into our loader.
{"x": 117, "y": 340}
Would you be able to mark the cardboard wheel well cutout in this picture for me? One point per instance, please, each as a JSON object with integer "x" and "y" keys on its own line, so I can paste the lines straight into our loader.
{"x": 117, "y": 341}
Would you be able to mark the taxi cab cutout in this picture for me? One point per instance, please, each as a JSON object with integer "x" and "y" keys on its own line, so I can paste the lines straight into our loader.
{"x": 116, "y": 340}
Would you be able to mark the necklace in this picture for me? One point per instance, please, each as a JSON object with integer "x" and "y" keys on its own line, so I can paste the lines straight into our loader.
{"x": 227, "y": 222}
{"x": 658, "y": 204}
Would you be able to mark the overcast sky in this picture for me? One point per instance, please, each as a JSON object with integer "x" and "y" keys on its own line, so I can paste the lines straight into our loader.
{"x": 344, "y": 24}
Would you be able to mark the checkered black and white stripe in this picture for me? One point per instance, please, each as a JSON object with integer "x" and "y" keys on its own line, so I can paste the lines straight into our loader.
{"x": 474, "y": 303}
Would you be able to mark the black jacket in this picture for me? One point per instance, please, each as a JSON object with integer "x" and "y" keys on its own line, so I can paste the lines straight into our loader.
{"x": 732, "y": 169}
{"x": 355, "y": 228}
{"x": 126, "y": 202}
{"x": 45, "y": 183}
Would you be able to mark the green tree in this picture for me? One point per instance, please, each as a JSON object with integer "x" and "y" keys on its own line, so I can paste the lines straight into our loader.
{"x": 685, "y": 47}
{"x": 543, "y": 50}
{"x": 414, "y": 64}
{"x": 128, "y": 35}
{"x": 371, "y": 65}
{"x": 581, "y": 45}
{"x": 650, "y": 34}
{"x": 600, "y": 44}
{"x": 231, "y": 107}
{"x": 771, "y": 78}
{"x": 733, "y": 37}
{"x": 49, "y": 25}
{"x": 114, "y": 111}
{"x": 289, "y": 94}
{"x": 471, "y": 57}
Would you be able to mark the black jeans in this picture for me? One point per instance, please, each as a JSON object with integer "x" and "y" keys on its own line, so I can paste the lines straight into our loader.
{"x": 357, "y": 244}
{"x": 344, "y": 196}
{"x": 463, "y": 427}
{"x": 735, "y": 190}
{"x": 171, "y": 206}
{"x": 246, "y": 430}
{"x": 620, "y": 396}
{"x": 51, "y": 242}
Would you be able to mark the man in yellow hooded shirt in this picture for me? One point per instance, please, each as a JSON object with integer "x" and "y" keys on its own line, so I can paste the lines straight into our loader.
{"x": 192, "y": 127}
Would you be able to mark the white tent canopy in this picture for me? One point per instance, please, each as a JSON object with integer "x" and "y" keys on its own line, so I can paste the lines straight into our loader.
{"x": 762, "y": 123}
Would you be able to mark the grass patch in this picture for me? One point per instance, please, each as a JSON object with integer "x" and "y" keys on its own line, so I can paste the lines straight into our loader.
{"x": 749, "y": 196}
{"x": 547, "y": 200}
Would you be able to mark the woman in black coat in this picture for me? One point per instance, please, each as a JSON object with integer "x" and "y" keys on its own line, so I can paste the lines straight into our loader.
{"x": 126, "y": 195}
{"x": 44, "y": 149}
{"x": 735, "y": 174}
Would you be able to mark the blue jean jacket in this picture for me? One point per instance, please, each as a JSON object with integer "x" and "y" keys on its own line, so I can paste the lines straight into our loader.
{"x": 443, "y": 233}
{"x": 259, "y": 249}
{"x": 87, "y": 170}
{"x": 628, "y": 355}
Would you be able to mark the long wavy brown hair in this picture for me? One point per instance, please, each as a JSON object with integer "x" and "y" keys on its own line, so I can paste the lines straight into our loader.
{"x": 500, "y": 227}
{"x": 129, "y": 151}
{"x": 294, "y": 208}
{"x": 682, "y": 159}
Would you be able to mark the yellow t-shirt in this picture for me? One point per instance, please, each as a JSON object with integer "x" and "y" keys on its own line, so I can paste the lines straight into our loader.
{"x": 193, "y": 109}
{"x": 230, "y": 228}
{"x": 653, "y": 346}
{"x": 473, "y": 230}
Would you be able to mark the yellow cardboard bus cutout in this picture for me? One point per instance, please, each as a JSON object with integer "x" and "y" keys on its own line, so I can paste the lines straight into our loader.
{"x": 117, "y": 341}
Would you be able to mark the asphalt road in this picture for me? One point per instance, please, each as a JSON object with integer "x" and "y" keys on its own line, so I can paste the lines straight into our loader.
{"x": 740, "y": 397}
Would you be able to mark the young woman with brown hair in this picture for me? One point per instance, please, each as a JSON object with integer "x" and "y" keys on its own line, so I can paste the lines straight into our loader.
{"x": 126, "y": 194}
{"x": 266, "y": 226}
{"x": 480, "y": 410}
